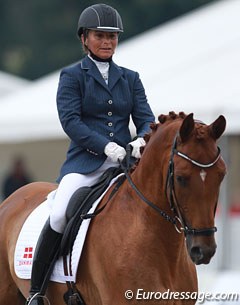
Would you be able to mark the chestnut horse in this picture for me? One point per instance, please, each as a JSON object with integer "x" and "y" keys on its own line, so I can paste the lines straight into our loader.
{"x": 151, "y": 234}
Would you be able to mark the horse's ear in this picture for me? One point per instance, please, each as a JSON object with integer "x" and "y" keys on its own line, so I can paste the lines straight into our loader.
{"x": 217, "y": 127}
{"x": 187, "y": 127}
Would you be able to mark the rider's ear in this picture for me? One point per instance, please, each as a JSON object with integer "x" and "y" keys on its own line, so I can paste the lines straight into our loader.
{"x": 217, "y": 127}
{"x": 186, "y": 127}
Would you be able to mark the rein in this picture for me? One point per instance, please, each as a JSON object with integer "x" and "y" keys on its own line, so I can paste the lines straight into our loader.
{"x": 178, "y": 218}
{"x": 140, "y": 194}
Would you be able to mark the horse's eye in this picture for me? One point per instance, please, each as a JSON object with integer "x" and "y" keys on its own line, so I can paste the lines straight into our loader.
{"x": 182, "y": 180}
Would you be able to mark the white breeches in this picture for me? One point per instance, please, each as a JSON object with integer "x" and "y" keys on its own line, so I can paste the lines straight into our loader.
{"x": 68, "y": 185}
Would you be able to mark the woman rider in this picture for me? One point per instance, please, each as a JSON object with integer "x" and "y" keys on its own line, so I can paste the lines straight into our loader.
{"x": 95, "y": 101}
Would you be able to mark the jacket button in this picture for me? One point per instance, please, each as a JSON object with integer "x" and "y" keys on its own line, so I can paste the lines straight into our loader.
{"x": 110, "y": 102}
{"x": 109, "y": 113}
{"x": 111, "y": 134}
{"x": 110, "y": 124}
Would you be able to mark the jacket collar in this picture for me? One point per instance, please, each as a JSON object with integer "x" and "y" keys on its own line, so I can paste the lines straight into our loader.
{"x": 115, "y": 72}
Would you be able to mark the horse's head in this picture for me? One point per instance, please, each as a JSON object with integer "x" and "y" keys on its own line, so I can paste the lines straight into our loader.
{"x": 193, "y": 176}
{"x": 202, "y": 173}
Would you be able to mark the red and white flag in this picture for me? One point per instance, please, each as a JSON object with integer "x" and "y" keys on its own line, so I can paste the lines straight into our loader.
{"x": 28, "y": 252}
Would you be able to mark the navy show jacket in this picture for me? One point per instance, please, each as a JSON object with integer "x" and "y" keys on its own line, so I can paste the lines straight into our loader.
{"x": 93, "y": 113}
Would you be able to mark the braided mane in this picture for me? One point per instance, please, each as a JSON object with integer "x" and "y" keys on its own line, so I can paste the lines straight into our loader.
{"x": 163, "y": 118}
{"x": 200, "y": 130}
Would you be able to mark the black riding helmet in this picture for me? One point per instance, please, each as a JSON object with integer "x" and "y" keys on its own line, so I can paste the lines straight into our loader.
{"x": 100, "y": 17}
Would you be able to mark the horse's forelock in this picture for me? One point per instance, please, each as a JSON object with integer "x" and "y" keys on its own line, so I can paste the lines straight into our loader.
{"x": 201, "y": 132}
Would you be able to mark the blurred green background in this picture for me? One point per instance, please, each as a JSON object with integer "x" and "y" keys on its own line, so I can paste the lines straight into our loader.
{"x": 39, "y": 36}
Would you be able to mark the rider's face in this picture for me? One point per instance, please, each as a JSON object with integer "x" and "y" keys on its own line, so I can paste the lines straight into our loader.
{"x": 102, "y": 44}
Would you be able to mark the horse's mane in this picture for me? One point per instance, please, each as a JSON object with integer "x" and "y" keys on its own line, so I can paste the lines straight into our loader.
{"x": 163, "y": 119}
{"x": 199, "y": 131}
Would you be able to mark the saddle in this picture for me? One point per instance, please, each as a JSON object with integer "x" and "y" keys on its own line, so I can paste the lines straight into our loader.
{"x": 79, "y": 205}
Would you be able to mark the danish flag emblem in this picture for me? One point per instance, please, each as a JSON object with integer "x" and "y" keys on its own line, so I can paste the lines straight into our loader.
{"x": 28, "y": 252}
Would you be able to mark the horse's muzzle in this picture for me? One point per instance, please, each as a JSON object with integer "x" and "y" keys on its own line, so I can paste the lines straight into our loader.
{"x": 201, "y": 249}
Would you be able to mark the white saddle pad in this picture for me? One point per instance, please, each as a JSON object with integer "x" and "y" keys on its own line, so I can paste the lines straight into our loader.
{"x": 28, "y": 237}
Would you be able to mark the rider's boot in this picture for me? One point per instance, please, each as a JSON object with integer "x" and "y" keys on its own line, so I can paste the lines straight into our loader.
{"x": 43, "y": 262}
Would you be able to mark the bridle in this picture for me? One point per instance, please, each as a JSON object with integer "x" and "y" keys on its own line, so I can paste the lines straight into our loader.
{"x": 174, "y": 205}
{"x": 169, "y": 189}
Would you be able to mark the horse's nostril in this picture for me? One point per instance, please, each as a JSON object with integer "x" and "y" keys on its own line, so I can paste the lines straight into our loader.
{"x": 196, "y": 253}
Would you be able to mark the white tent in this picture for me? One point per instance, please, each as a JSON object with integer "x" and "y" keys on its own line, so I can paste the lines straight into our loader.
{"x": 10, "y": 83}
{"x": 191, "y": 64}
{"x": 31, "y": 114}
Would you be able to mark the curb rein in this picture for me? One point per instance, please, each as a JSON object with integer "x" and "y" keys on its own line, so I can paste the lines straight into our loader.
{"x": 178, "y": 218}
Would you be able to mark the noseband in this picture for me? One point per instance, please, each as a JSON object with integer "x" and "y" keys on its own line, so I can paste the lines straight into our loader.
{"x": 178, "y": 218}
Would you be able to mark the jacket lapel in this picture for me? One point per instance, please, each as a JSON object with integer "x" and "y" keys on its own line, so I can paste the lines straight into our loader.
{"x": 91, "y": 69}
{"x": 115, "y": 73}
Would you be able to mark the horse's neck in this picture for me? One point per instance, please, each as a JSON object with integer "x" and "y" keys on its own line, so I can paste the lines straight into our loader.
{"x": 150, "y": 177}
{"x": 153, "y": 228}
{"x": 153, "y": 241}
